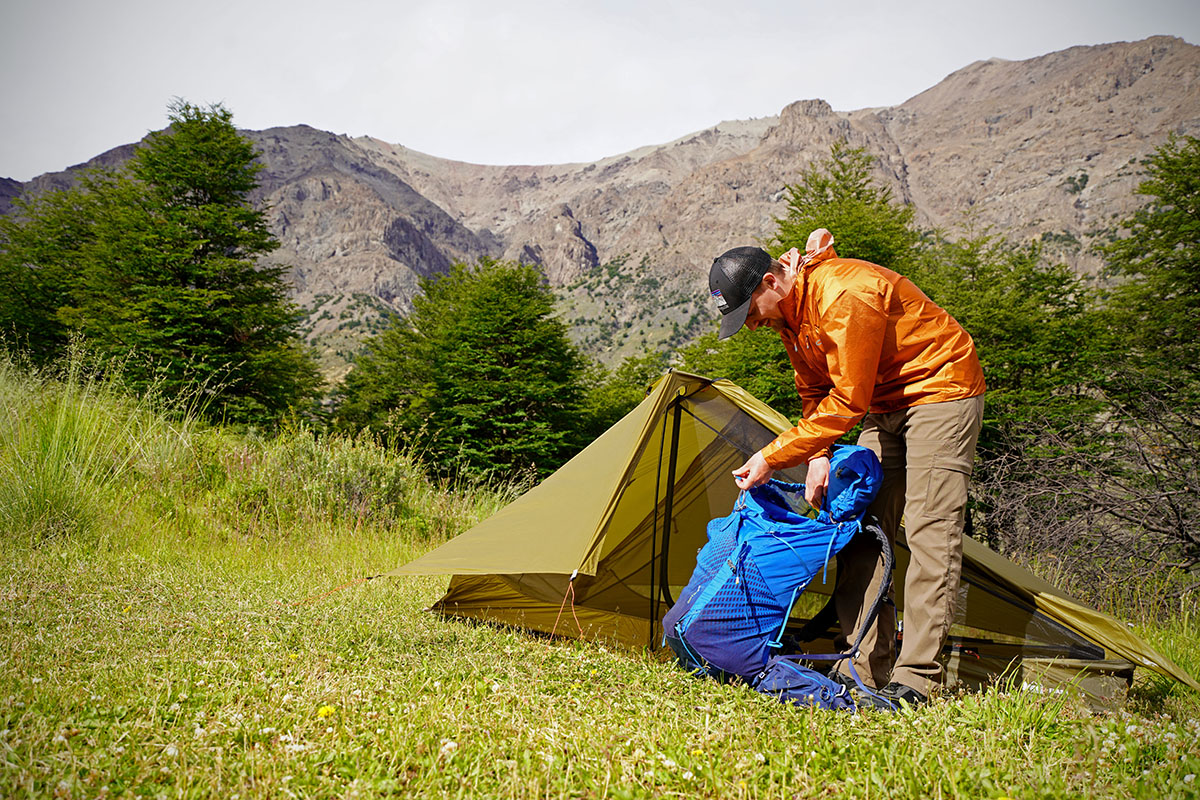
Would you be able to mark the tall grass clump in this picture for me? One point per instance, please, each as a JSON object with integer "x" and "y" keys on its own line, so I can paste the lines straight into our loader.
{"x": 71, "y": 441}
{"x": 80, "y": 454}
{"x": 298, "y": 483}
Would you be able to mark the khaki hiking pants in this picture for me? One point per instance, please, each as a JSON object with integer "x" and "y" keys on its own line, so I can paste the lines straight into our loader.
{"x": 927, "y": 453}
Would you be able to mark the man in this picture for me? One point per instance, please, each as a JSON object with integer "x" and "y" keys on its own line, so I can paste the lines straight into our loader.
{"x": 866, "y": 344}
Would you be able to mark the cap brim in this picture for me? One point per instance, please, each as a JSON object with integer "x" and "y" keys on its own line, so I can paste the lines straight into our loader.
{"x": 732, "y": 322}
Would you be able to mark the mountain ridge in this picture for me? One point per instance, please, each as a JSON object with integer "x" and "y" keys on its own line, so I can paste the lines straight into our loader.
{"x": 1044, "y": 147}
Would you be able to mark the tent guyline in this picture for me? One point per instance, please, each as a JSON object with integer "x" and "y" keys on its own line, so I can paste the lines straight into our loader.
{"x": 627, "y": 515}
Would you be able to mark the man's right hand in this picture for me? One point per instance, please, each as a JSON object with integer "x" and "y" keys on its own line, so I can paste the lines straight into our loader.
{"x": 754, "y": 472}
{"x": 816, "y": 481}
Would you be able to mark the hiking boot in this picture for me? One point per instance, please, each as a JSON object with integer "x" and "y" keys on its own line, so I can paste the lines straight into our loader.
{"x": 867, "y": 699}
{"x": 904, "y": 695}
{"x": 842, "y": 680}
{"x": 875, "y": 700}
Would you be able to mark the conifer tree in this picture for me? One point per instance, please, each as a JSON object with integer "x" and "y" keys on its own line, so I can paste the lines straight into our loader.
{"x": 480, "y": 379}
{"x": 1156, "y": 308}
{"x": 161, "y": 261}
{"x": 839, "y": 194}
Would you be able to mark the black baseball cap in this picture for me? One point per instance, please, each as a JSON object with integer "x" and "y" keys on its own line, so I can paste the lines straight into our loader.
{"x": 732, "y": 280}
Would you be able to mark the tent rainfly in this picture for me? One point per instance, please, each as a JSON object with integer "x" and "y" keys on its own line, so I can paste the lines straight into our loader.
{"x": 621, "y": 523}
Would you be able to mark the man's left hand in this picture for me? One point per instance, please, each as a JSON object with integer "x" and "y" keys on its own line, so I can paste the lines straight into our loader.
{"x": 816, "y": 481}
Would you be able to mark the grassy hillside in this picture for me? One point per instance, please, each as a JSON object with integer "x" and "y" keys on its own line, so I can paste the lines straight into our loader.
{"x": 165, "y": 635}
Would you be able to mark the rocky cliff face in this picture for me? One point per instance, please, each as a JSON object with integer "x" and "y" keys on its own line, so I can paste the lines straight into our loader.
{"x": 1052, "y": 144}
{"x": 1044, "y": 148}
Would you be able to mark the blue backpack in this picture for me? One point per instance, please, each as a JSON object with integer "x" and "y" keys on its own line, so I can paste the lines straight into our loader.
{"x": 730, "y": 619}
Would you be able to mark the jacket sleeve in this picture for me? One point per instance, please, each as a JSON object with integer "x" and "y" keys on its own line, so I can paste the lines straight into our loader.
{"x": 852, "y": 334}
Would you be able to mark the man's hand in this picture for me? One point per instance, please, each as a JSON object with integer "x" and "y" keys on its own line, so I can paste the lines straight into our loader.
{"x": 817, "y": 481}
{"x": 754, "y": 472}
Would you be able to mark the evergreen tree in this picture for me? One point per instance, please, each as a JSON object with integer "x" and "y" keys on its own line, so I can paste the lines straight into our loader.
{"x": 40, "y": 244}
{"x": 839, "y": 194}
{"x": 1032, "y": 323}
{"x": 161, "y": 260}
{"x": 480, "y": 379}
{"x": 1156, "y": 310}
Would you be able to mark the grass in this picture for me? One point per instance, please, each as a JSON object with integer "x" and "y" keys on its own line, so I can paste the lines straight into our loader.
{"x": 174, "y": 644}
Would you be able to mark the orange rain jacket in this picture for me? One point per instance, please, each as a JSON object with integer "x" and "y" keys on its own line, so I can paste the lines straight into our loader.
{"x": 863, "y": 338}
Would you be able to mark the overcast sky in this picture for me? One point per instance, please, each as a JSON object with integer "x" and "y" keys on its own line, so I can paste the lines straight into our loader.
{"x": 502, "y": 81}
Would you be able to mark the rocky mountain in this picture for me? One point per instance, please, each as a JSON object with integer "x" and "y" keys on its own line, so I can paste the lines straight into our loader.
{"x": 1048, "y": 148}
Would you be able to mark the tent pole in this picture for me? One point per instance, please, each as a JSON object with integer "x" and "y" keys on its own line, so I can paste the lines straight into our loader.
{"x": 664, "y": 583}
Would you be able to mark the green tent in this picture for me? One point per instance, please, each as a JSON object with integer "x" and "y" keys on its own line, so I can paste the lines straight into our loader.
{"x": 601, "y": 548}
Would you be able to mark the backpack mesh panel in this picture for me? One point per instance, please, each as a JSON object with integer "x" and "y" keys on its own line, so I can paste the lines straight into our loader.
{"x": 735, "y": 626}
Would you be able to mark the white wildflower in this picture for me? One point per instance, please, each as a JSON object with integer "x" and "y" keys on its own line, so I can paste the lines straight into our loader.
{"x": 171, "y": 750}
{"x": 448, "y": 748}
{"x": 1191, "y": 776}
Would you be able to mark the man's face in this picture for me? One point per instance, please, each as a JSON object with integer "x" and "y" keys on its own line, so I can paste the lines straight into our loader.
{"x": 764, "y": 305}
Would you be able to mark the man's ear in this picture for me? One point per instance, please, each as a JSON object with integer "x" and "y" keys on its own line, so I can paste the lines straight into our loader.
{"x": 770, "y": 280}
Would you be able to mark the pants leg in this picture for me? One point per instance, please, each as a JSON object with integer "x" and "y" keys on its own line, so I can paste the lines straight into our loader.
{"x": 860, "y": 564}
{"x": 940, "y": 443}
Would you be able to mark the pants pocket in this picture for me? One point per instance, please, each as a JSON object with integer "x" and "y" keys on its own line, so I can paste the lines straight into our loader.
{"x": 946, "y": 492}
